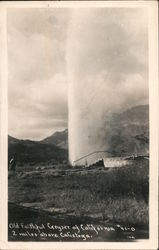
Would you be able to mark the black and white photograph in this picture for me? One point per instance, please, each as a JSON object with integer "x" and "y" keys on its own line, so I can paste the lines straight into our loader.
{"x": 78, "y": 134}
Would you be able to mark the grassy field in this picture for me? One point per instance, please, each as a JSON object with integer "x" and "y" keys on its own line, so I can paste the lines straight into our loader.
{"x": 117, "y": 195}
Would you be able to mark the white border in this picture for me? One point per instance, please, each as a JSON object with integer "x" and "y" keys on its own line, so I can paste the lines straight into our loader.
{"x": 153, "y": 97}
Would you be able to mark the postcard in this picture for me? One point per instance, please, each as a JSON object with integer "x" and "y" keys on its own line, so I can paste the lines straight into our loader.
{"x": 79, "y": 125}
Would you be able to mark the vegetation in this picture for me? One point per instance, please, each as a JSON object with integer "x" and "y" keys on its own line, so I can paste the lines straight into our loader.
{"x": 31, "y": 152}
{"x": 119, "y": 195}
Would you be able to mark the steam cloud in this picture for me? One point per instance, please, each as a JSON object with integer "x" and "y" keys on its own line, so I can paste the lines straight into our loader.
{"x": 107, "y": 65}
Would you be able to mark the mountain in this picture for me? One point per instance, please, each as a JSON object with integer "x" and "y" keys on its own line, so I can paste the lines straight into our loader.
{"x": 136, "y": 115}
{"x": 12, "y": 139}
{"x": 59, "y": 139}
{"x": 128, "y": 132}
{"x": 27, "y": 151}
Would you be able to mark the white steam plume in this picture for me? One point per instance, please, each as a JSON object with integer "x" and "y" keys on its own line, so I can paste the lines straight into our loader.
{"x": 107, "y": 71}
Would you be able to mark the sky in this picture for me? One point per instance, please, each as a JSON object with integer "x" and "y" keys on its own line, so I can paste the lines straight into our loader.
{"x": 90, "y": 50}
{"x": 37, "y": 80}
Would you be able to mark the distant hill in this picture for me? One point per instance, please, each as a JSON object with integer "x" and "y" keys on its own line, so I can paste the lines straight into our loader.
{"x": 27, "y": 151}
{"x": 12, "y": 139}
{"x": 59, "y": 139}
{"x": 128, "y": 132}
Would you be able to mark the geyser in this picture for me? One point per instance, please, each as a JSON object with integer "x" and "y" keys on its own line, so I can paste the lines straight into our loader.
{"x": 107, "y": 73}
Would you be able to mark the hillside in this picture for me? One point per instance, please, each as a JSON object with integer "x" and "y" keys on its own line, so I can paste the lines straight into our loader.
{"x": 128, "y": 132}
{"x": 59, "y": 139}
{"x": 12, "y": 139}
{"x": 27, "y": 151}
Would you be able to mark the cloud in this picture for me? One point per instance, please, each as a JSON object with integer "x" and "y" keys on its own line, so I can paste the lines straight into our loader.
{"x": 47, "y": 22}
{"x": 34, "y": 57}
{"x": 113, "y": 40}
{"x": 37, "y": 72}
{"x": 41, "y": 105}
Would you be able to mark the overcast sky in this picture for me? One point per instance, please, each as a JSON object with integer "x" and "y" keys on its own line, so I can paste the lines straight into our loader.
{"x": 45, "y": 46}
{"x": 37, "y": 72}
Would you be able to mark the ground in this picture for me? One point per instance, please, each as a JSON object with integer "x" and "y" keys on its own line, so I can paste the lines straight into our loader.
{"x": 115, "y": 197}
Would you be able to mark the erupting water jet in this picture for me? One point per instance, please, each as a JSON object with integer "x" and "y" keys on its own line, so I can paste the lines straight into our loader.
{"x": 103, "y": 77}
